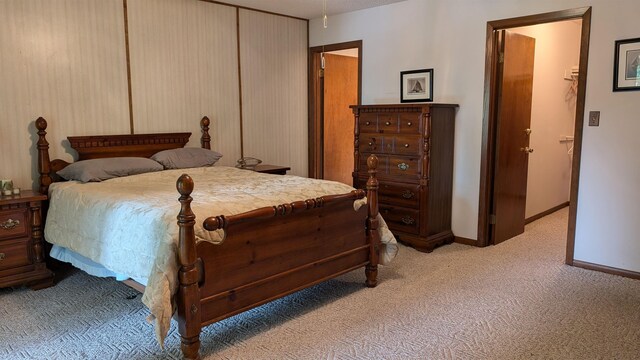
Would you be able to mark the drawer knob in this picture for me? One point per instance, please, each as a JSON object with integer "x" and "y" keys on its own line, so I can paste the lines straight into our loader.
{"x": 368, "y": 123}
{"x": 388, "y": 123}
{"x": 408, "y": 220}
{"x": 9, "y": 224}
{"x": 403, "y": 166}
{"x": 370, "y": 143}
{"x": 409, "y": 123}
{"x": 406, "y": 145}
{"x": 407, "y": 194}
{"x": 2, "y": 256}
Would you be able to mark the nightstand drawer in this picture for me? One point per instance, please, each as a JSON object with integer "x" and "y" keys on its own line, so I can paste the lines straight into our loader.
{"x": 14, "y": 254}
{"x": 14, "y": 223}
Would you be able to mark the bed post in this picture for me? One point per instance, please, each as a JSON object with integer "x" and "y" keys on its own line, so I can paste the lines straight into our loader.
{"x": 205, "y": 139}
{"x": 373, "y": 236}
{"x": 44, "y": 164}
{"x": 188, "y": 291}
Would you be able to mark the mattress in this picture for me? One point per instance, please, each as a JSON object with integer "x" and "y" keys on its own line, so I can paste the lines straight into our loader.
{"x": 128, "y": 225}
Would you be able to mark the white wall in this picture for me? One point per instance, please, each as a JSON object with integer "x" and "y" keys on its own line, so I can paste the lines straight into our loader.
{"x": 552, "y": 113}
{"x": 449, "y": 35}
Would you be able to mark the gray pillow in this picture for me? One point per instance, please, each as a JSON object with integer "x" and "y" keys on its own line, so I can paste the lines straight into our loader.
{"x": 186, "y": 158}
{"x": 108, "y": 168}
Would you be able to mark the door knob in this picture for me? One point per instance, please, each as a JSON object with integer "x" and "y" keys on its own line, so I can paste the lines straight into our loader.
{"x": 527, "y": 150}
{"x": 527, "y": 131}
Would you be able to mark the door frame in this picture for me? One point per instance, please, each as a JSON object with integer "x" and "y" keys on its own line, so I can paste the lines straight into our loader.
{"x": 489, "y": 122}
{"x": 316, "y": 103}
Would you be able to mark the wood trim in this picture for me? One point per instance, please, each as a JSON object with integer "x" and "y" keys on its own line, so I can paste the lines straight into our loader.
{"x": 606, "y": 269}
{"x": 489, "y": 116}
{"x": 545, "y": 213}
{"x": 254, "y": 9}
{"x": 128, "y": 56}
{"x": 315, "y": 104}
{"x": 134, "y": 285}
{"x": 577, "y": 142}
{"x": 239, "y": 82}
{"x": 465, "y": 241}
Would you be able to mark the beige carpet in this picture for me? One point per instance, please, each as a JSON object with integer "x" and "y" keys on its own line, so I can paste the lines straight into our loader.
{"x": 512, "y": 301}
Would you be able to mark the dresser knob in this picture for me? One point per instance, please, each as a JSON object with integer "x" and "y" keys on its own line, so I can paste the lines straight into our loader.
{"x": 388, "y": 123}
{"x": 408, "y": 220}
{"x": 403, "y": 166}
{"x": 406, "y": 145}
{"x": 409, "y": 123}
{"x": 407, "y": 194}
{"x": 9, "y": 224}
{"x": 368, "y": 123}
{"x": 370, "y": 144}
{"x": 2, "y": 256}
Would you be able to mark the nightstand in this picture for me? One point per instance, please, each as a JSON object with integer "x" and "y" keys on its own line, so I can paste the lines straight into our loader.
{"x": 272, "y": 169}
{"x": 21, "y": 248}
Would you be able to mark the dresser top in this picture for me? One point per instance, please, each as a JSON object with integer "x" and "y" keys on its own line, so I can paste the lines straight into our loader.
{"x": 412, "y": 105}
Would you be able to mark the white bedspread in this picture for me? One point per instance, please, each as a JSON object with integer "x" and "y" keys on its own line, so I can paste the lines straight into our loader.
{"x": 128, "y": 224}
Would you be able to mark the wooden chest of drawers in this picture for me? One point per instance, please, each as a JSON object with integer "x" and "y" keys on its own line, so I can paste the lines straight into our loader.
{"x": 414, "y": 145}
{"x": 21, "y": 250}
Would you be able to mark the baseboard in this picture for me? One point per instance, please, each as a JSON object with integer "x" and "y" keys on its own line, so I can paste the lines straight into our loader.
{"x": 606, "y": 269}
{"x": 465, "y": 241}
{"x": 545, "y": 213}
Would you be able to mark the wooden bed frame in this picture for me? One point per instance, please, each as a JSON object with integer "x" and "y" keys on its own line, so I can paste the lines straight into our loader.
{"x": 266, "y": 253}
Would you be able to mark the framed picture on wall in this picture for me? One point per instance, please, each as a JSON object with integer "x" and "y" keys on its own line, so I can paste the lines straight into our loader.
{"x": 416, "y": 85}
{"x": 626, "y": 65}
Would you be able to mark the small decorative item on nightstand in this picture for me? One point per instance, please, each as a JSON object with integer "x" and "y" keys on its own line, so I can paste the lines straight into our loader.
{"x": 21, "y": 248}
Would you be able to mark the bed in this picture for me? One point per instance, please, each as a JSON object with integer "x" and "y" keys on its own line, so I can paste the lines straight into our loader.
{"x": 301, "y": 242}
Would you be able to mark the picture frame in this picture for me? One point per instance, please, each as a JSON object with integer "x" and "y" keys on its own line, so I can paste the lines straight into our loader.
{"x": 626, "y": 65}
{"x": 416, "y": 86}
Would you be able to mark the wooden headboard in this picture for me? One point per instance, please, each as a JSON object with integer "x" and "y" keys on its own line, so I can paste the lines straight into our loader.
{"x": 106, "y": 146}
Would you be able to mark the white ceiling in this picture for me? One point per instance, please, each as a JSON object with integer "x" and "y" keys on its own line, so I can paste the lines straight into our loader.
{"x": 309, "y": 9}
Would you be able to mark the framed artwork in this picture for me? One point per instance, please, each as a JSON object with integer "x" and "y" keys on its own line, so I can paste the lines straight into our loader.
{"x": 626, "y": 65}
{"x": 416, "y": 85}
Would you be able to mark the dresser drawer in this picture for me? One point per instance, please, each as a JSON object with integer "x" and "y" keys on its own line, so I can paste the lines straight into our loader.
{"x": 406, "y": 195}
{"x": 399, "y": 194}
{"x": 371, "y": 143}
{"x": 402, "y": 144}
{"x": 14, "y": 254}
{"x": 401, "y": 219}
{"x": 388, "y": 123}
{"x": 409, "y": 123}
{"x": 368, "y": 122}
{"x": 14, "y": 223}
{"x": 404, "y": 166}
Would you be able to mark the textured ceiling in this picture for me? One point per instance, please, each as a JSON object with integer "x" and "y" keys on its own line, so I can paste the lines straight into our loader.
{"x": 309, "y": 9}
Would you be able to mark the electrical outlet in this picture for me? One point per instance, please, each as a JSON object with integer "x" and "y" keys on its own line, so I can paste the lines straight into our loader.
{"x": 594, "y": 118}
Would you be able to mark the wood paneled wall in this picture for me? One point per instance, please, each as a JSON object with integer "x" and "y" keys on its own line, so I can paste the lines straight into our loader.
{"x": 273, "y": 58}
{"x": 184, "y": 65}
{"x": 63, "y": 60}
{"x": 66, "y": 60}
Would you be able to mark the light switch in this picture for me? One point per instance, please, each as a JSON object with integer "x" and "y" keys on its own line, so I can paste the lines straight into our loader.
{"x": 594, "y": 118}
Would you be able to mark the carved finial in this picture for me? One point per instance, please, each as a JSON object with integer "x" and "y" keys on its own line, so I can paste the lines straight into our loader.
{"x": 372, "y": 162}
{"x": 184, "y": 185}
{"x": 205, "y": 139}
{"x": 41, "y": 124}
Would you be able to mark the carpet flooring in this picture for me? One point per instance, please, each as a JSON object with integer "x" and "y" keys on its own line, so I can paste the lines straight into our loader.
{"x": 512, "y": 301}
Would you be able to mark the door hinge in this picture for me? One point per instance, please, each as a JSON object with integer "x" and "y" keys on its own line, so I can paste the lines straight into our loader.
{"x": 321, "y": 73}
{"x": 501, "y": 58}
{"x": 492, "y": 219}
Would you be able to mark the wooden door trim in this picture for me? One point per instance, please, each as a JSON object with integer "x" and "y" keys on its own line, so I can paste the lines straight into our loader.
{"x": 489, "y": 116}
{"x": 316, "y": 113}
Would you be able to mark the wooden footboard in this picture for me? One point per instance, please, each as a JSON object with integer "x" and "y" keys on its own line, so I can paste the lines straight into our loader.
{"x": 269, "y": 253}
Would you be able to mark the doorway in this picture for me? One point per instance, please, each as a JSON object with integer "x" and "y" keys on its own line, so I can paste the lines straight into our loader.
{"x": 502, "y": 195}
{"x": 334, "y": 83}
